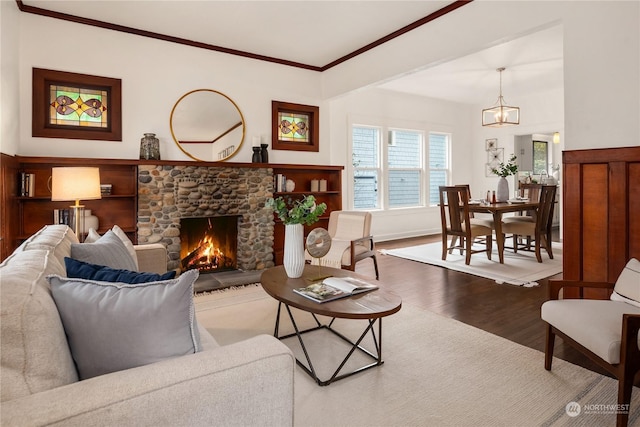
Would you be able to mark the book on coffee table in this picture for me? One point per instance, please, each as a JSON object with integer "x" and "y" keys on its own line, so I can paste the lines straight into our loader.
{"x": 333, "y": 288}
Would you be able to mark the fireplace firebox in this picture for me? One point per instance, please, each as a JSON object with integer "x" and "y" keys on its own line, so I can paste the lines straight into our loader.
{"x": 209, "y": 244}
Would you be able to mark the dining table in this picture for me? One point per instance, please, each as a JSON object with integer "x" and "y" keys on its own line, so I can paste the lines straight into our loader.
{"x": 497, "y": 210}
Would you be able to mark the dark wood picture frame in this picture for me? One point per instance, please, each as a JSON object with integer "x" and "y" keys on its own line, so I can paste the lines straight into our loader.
{"x": 40, "y": 123}
{"x": 313, "y": 143}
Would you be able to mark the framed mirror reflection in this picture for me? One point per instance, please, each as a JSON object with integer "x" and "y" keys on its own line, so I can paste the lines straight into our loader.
{"x": 207, "y": 125}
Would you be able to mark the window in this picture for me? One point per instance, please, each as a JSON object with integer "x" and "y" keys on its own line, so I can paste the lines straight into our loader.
{"x": 366, "y": 169}
{"x": 438, "y": 165}
{"x": 540, "y": 156}
{"x": 393, "y": 172}
{"x": 405, "y": 168}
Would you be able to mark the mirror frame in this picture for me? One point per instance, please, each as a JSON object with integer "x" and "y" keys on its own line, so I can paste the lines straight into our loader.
{"x": 177, "y": 141}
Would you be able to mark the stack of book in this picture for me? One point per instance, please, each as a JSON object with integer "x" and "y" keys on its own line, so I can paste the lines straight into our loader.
{"x": 27, "y": 184}
{"x": 63, "y": 216}
{"x": 280, "y": 183}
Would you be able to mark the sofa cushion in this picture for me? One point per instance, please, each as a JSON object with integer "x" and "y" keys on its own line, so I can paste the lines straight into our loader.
{"x": 627, "y": 288}
{"x": 57, "y": 238}
{"x": 85, "y": 270}
{"x": 107, "y": 250}
{"x": 115, "y": 326}
{"x": 596, "y": 324}
{"x": 93, "y": 236}
{"x": 35, "y": 355}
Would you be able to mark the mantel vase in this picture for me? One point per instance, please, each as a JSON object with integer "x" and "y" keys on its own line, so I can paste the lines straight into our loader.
{"x": 294, "y": 250}
{"x": 502, "y": 194}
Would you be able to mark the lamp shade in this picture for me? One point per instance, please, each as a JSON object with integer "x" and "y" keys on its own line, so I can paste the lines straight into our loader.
{"x": 75, "y": 183}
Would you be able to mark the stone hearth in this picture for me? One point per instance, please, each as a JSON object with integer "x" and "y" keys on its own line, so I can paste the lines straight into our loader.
{"x": 168, "y": 193}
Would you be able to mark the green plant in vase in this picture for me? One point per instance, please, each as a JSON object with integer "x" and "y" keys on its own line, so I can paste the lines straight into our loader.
{"x": 503, "y": 171}
{"x": 295, "y": 214}
{"x": 303, "y": 211}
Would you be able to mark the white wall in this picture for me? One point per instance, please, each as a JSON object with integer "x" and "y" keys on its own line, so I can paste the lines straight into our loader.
{"x": 385, "y": 108}
{"x": 154, "y": 75}
{"x": 9, "y": 94}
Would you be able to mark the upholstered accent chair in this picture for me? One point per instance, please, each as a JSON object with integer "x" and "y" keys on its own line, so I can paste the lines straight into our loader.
{"x": 351, "y": 240}
{"x": 604, "y": 330}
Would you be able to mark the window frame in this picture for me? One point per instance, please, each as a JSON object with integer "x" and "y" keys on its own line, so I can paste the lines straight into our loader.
{"x": 383, "y": 167}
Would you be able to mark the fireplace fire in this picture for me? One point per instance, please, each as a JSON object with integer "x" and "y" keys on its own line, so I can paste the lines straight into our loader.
{"x": 209, "y": 244}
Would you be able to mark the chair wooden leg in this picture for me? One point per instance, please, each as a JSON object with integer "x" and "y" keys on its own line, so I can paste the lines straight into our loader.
{"x": 547, "y": 241}
{"x": 537, "y": 246}
{"x": 515, "y": 243}
{"x": 548, "y": 348}
{"x": 489, "y": 242}
{"x": 625, "y": 387}
{"x": 468, "y": 243}
{"x": 454, "y": 241}
{"x": 375, "y": 266}
{"x": 444, "y": 246}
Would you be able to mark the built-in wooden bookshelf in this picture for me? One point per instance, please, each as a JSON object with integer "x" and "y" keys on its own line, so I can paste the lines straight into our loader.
{"x": 120, "y": 207}
{"x": 302, "y": 176}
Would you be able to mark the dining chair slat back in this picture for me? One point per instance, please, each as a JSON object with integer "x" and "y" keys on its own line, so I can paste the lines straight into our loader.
{"x": 456, "y": 222}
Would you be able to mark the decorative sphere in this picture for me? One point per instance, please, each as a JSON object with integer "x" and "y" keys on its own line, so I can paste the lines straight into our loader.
{"x": 318, "y": 242}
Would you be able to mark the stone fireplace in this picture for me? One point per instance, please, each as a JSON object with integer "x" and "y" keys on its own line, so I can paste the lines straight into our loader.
{"x": 166, "y": 194}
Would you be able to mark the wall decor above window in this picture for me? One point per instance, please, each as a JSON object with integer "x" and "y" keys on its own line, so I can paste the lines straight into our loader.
{"x": 295, "y": 126}
{"x": 76, "y": 106}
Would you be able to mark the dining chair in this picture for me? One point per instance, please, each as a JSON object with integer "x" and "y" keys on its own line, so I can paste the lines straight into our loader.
{"x": 479, "y": 221}
{"x": 538, "y": 230}
{"x": 456, "y": 222}
{"x": 531, "y": 192}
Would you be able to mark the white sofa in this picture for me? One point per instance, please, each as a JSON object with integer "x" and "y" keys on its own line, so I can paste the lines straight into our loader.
{"x": 248, "y": 383}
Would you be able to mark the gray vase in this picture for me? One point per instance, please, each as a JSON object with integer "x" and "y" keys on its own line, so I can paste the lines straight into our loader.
{"x": 502, "y": 194}
{"x": 149, "y": 147}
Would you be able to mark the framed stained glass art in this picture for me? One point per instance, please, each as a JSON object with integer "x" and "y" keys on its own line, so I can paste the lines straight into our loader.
{"x": 76, "y": 106}
{"x": 295, "y": 126}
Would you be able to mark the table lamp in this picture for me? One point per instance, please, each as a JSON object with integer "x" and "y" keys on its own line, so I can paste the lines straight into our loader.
{"x": 75, "y": 183}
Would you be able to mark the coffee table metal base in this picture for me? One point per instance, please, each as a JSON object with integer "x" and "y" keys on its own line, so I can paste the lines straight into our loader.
{"x": 377, "y": 342}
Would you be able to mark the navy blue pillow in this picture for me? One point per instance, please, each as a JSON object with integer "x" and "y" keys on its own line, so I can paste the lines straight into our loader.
{"x": 83, "y": 270}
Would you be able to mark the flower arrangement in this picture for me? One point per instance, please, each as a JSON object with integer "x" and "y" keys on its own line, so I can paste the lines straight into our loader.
{"x": 506, "y": 169}
{"x": 303, "y": 211}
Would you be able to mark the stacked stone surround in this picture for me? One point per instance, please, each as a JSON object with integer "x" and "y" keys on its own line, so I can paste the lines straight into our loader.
{"x": 168, "y": 193}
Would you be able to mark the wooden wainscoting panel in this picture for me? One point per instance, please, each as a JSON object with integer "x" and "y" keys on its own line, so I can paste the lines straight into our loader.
{"x": 633, "y": 214}
{"x": 595, "y": 231}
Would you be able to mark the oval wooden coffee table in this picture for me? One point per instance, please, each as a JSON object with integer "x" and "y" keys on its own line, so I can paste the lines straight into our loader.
{"x": 371, "y": 306}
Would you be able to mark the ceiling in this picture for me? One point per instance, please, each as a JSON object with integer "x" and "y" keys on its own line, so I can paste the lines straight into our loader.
{"x": 316, "y": 33}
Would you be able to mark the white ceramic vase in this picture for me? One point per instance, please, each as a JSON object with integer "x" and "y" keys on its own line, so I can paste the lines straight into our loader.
{"x": 293, "y": 250}
{"x": 502, "y": 194}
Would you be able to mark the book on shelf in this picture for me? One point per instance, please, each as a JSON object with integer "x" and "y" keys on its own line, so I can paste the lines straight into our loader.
{"x": 333, "y": 288}
{"x": 27, "y": 184}
{"x": 62, "y": 216}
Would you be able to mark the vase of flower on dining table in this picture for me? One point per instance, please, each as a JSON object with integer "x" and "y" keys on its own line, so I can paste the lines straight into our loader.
{"x": 503, "y": 171}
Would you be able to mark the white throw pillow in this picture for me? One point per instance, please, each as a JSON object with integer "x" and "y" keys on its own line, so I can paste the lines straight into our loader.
{"x": 93, "y": 236}
{"x": 107, "y": 250}
{"x": 627, "y": 288}
{"x": 116, "y": 326}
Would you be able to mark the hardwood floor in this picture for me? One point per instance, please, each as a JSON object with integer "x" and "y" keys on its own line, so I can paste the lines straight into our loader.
{"x": 511, "y": 312}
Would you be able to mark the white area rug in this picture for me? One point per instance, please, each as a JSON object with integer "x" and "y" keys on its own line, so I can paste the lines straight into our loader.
{"x": 437, "y": 372}
{"x": 521, "y": 269}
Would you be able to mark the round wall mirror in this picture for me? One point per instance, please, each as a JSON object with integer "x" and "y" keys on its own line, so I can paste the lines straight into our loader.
{"x": 207, "y": 125}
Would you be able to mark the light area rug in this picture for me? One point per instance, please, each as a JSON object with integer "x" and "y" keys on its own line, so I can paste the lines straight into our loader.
{"x": 437, "y": 372}
{"x": 520, "y": 269}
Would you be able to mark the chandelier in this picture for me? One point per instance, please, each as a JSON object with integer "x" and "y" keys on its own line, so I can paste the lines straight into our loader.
{"x": 500, "y": 114}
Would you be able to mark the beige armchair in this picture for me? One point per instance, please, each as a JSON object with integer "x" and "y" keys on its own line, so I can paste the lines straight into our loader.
{"x": 604, "y": 330}
{"x": 351, "y": 241}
